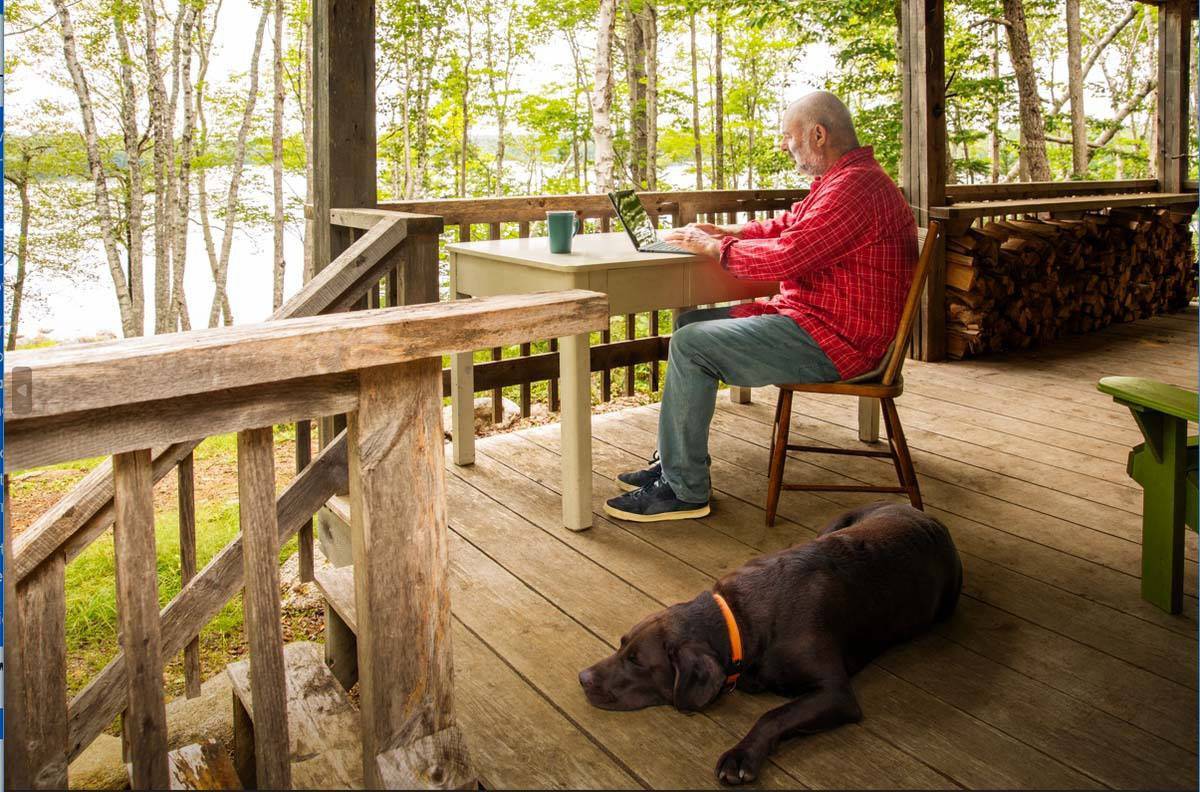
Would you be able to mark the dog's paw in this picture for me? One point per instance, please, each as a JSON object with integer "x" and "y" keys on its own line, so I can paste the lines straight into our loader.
{"x": 738, "y": 765}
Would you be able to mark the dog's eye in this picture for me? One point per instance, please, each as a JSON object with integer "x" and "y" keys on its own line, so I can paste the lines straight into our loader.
{"x": 632, "y": 658}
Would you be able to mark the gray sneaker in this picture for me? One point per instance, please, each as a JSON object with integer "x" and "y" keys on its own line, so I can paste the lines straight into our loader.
{"x": 636, "y": 479}
{"x": 654, "y": 502}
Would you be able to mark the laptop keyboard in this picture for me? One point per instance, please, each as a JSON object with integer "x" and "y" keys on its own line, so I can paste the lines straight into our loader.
{"x": 662, "y": 247}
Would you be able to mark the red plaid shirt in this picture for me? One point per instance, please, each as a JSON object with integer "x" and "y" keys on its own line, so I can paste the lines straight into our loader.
{"x": 844, "y": 257}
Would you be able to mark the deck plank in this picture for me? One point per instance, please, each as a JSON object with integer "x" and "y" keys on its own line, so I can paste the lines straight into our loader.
{"x": 1007, "y": 758}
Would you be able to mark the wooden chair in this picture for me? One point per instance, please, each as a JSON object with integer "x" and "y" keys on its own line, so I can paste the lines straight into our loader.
{"x": 1166, "y": 467}
{"x": 883, "y": 383}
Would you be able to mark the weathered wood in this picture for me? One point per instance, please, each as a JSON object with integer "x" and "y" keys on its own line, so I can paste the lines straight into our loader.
{"x": 304, "y": 537}
{"x": 264, "y": 632}
{"x": 159, "y": 367}
{"x": 96, "y": 705}
{"x": 533, "y": 208}
{"x": 145, "y": 424}
{"x": 1174, "y": 73}
{"x": 36, "y": 678}
{"x": 203, "y": 765}
{"x": 974, "y": 209}
{"x": 81, "y": 515}
{"x": 435, "y": 761}
{"x": 957, "y": 193}
{"x": 137, "y": 608}
{"x": 401, "y": 566}
{"x": 187, "y": 565}
{"x": 923, "y": 150}
{"x": 343, "y": 97}
{"x": 323, "y": 735}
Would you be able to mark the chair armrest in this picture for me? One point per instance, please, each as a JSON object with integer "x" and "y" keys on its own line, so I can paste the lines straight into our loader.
{"x": 1136, "y": 392}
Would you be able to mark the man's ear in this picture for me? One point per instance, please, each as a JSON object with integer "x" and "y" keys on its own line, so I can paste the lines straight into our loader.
{"x": 698, "y": 676}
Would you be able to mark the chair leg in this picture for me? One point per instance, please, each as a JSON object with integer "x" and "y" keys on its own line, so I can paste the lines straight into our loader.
{"x": 891, "y": 434}
{"x": 783, "y": 414}
{"x": 778, "y": 404}
{"x": 902, "y": 455}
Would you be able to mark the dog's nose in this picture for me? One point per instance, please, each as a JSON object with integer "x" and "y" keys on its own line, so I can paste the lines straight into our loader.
{"x": 587, "y": 677}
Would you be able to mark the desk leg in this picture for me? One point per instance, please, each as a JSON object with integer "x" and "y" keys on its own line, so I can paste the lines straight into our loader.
{"x": 868, "y": 420}
{"x": 574, "y": 358}
{"x": 462, "y": 394}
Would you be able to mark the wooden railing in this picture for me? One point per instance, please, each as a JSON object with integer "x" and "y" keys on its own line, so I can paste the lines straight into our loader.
{"x": 128, "y": 397}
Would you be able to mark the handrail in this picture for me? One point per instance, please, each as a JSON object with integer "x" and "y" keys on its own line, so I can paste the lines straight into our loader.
{"x": 125, "y": 397}
{"x": 957, "y": 193}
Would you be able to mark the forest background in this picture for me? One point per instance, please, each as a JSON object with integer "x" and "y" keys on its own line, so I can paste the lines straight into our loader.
{"x": 156, "y": 151}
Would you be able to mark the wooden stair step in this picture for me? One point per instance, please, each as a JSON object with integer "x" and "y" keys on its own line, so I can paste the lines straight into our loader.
{"x": 337, "y": 584}
{"x": 324, "y": 739}
{"x": 204, "y": 765}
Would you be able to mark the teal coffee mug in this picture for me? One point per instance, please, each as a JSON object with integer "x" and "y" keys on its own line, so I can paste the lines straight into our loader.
{"x": 562, "y": 227}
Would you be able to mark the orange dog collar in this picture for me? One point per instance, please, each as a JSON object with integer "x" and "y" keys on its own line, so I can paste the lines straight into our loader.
{"x": 735, "y": 641}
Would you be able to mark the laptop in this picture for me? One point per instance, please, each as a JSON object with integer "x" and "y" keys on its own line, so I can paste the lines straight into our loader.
{"x": 637, "y": 223}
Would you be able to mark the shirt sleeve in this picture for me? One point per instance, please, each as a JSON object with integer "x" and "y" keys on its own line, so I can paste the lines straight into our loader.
{"x": 759, "y": 229}
{"x": 831, "y": 228}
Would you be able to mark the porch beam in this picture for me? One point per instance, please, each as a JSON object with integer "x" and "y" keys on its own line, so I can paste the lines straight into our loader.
{"x": 923, "y": 150}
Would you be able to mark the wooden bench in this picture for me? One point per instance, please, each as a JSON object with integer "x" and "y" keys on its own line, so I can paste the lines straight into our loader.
{"x": 959, "y": 216}
{"x": 1165, "y": 466}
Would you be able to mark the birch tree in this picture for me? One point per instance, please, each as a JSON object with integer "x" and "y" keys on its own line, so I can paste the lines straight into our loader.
{"x": 1034, "y": 166}
{"x": 602, "y": 96}
{"x": 277, "y": 160}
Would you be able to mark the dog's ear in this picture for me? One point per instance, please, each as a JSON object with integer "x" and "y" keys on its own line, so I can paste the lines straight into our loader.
{"x": 698, "y": 676}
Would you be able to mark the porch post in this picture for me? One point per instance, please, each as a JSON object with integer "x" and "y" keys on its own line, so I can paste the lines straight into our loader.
{"x": 923, "y": 151}
{"x": 1174, "y": 43}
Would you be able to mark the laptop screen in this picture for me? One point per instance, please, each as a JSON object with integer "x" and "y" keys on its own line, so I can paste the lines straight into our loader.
{"x": 633, "y": 215}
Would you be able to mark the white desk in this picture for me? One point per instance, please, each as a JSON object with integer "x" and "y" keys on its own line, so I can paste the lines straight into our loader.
{"x": 633, "y": 281}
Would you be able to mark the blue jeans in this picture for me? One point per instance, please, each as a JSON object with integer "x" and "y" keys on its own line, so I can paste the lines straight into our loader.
{"x": 706, "y": 347}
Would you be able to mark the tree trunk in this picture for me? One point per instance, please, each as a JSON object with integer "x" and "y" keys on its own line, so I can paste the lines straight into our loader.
{"x": 650, "y": 39}
{"x": 635, "y": 75}
{"x": 137, "y": 184}
{"x": 179, "y": 309}
{"x": 1035, "y": 166}
{"x": 277, "y": 160}
{"x": 1079, "y": 147}
{"x": 307, "y": 120}
{"x": 995, "y": 121}
{"x": 602, "y": 97}
{"x": 210, "y": 247}
{"x": 164, "y": 203}
{"x": 96, "y": 167}
{"x": 575, "y": 142}
{"x": 466, "y": 108}
{"x": 719, "y": 109}
{"x": 239, "y": 159}
{"x": 696, "y": 150}
{"x": 18, "y": 286}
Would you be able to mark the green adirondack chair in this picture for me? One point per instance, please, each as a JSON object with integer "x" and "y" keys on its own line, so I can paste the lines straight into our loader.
{"x": 1165, "y": 466}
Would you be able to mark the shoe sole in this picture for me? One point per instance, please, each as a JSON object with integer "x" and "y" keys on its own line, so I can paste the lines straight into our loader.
{"x": 690, "y": 514}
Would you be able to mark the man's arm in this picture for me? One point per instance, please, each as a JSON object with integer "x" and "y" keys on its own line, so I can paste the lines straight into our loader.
{"x": 828, "y": 231}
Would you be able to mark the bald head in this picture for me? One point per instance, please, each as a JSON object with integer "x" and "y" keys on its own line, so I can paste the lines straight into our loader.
{"x": 817, "y": 130}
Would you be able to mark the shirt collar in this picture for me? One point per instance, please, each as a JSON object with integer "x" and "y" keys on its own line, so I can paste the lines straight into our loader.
{"x": 852, "y": 156}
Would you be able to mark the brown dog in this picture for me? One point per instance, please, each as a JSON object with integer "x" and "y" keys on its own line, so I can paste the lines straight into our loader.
{"x": 808, "y": 618}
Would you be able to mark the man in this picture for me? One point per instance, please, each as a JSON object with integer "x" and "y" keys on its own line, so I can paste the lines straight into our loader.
{"x": 844, "y": 257}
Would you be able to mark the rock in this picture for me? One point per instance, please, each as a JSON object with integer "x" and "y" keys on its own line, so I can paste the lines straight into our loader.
{"x": 99, "y": 766}
{"x": 483, "y": 416}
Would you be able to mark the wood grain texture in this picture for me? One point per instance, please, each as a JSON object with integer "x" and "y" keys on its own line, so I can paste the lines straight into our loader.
{"x": 973, "y": 209}
{"x": 203, "y": 765}
{"x": 74, "y": 379}
{"x": 956, "y": 193}
{"x": 141, "y": 631}
{"x": 260, "y": 598}
{"x": 1174, "y": 72}
{"x": 155, "y": 423}
{"x": 398, "y": 534}
{"x": 187, "y": 565}
{"x": 323, "y": 735}
{"x": 96, "y": 705}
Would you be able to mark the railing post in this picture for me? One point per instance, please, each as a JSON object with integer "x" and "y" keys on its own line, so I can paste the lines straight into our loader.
{"x": 401, "y": 580}
{"x": 141, "y": 629}
{"x": 35, "y": 695}
{"x": 264, "y": 633}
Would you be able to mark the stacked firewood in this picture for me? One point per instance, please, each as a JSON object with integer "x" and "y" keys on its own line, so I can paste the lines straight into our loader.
{"x": 1015, "y": 283}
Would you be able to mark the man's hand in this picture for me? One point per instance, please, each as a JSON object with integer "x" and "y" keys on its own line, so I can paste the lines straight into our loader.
{"x": 717, "y": 230}
{"x": 694, "y": 240}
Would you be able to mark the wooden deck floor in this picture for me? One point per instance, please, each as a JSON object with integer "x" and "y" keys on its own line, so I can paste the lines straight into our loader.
{"x": 1053, "y": 672}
